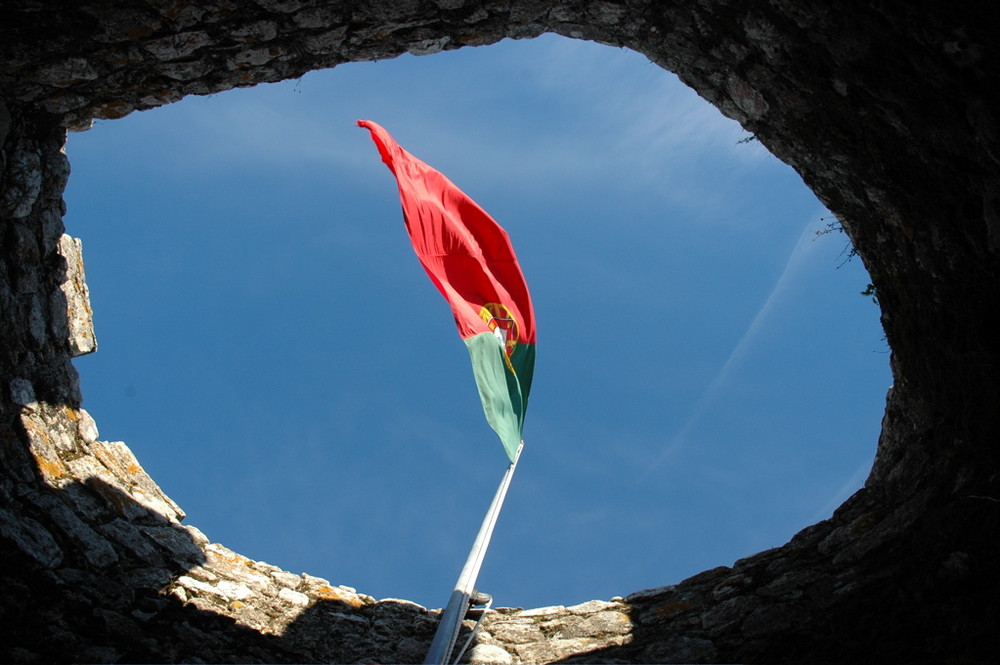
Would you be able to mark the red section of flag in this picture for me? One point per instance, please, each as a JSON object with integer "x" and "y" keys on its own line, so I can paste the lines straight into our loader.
{"x": 466, "y": 253}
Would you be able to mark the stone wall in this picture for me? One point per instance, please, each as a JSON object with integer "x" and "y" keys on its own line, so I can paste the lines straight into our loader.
{"x": 888, "y": 111}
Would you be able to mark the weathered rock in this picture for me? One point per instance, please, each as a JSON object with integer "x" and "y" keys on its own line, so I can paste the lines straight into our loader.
{"x": 489, "y": 654}
{"x": 72, "y": 316}
{"x": 888, "y": 111}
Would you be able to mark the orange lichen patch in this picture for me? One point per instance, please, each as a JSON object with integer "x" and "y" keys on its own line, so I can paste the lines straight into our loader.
{"x": 670, "y": 610}
{"x": 330, "y": 593}
{"x": 140, "y": 32}
{"x": 864, "y": 523}
{"x": 36, "y": 432}
{"x": 113, "y": 110}
{"x": 65, "y": 83}
{"x": 124, "y": 469}
{"x": 71, "y": 413}
{"x": 237, "y": 605}
{"x": 174, "y": 9}
{"x": 232, "y": 558}
{"x": 51, "y": 469}
{"x": 32, "y": 428}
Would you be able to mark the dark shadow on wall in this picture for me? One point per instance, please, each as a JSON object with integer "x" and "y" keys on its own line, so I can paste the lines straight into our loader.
{"x": 926, "y": 597}
{"x": 83, "y": 571}
{"x": 98, "y": 584}
{"x": 88, "y": 573}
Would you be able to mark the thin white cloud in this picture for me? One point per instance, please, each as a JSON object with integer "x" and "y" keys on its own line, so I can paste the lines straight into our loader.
{"x": 852, "y": 485}
{"x": 651, "y": 106}
{"x": 265, "y": 129}
{"x": 655, "y": 126}
{"x": 708, "y": 398}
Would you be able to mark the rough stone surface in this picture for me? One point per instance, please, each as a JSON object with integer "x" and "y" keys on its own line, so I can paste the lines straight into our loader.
{"x": 889, "y": 112}
{"x": 71, "y": 312}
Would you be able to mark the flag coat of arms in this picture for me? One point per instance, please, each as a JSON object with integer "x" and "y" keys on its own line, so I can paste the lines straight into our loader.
{"x": 469, "y": 258}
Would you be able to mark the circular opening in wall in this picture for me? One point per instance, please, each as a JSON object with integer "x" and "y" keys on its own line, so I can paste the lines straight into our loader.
{"x": 709, "y": 379}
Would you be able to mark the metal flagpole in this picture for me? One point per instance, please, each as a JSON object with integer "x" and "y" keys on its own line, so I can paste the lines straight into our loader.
{"x": 458, "y": 604}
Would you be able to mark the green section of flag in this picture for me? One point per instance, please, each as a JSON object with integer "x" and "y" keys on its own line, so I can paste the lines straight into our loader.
{"x": 501, "y": 389}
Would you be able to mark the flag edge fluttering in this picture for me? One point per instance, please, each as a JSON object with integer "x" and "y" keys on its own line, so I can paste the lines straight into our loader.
{"x": 427, "y": 196}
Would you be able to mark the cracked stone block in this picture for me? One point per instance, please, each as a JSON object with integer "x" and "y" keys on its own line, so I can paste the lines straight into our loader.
{"x": 79, "y": 315}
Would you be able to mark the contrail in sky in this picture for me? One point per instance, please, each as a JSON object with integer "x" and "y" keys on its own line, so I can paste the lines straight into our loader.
{"x": 714, "y": 388}
{"x": 846, "y": 490}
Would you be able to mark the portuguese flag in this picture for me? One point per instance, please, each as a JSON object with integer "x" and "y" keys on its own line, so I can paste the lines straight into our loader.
{"x": 470, "y": 260}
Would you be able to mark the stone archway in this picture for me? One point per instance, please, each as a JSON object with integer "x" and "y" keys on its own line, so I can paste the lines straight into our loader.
{"x": 888, "y": 114}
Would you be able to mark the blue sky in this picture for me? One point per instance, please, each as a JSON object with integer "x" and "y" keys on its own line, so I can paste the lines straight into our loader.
{"x": 709, "y": 379}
